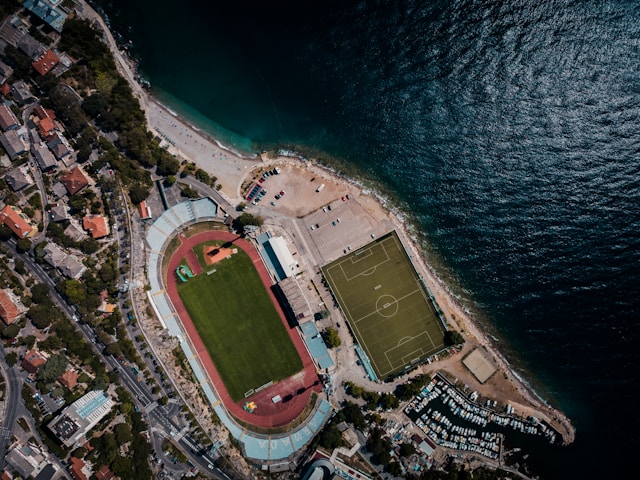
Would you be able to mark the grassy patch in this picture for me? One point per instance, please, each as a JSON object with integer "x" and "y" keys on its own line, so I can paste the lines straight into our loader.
{"x": 240, "y": 326}
{"x": 387, "y": 305}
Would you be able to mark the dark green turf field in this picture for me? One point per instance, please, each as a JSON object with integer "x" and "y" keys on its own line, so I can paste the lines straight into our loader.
{"x": 239, "y": 325}
{"x": 386, "y": 305}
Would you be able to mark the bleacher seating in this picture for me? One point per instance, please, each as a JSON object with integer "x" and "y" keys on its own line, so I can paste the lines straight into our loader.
{"x": 256, "y": 446}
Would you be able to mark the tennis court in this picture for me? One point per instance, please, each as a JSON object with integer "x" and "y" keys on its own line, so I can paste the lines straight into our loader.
{"x": 386, "y": 304}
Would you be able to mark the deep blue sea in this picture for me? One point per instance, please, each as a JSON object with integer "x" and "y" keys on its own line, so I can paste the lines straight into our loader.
{"x": 509, "y": 129}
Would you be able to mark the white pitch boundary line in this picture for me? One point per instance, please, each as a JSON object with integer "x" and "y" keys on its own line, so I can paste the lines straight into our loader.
{"x": 375, "y": 311}
{"x": 354, "y": 322}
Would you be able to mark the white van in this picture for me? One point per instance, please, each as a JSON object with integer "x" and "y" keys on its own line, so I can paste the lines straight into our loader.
{"x": 320, "y": 187}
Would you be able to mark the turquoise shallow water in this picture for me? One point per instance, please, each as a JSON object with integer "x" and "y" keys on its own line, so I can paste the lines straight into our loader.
{"x": 509, "y": 131}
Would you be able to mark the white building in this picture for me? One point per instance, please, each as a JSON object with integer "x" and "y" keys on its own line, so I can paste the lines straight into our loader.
{"x": 287, "y": 263}
{"x": 80, "y": 417}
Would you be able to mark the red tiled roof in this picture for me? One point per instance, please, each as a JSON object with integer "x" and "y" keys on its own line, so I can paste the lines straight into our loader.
{"x": 74, "y": 181}
{"x": 45, "y": 62}
{"x": 13, "y": 218}
{"x": 144, "y": 210}
{"x": 8, "y": 310}
{"x": 45, "y": 126}
{"x": 69, "y": 379}
{"x": 96, "y": 225}
{"x": 5, "y": 89}
{"x": 32, "y": 361}
{"x": 76, "y": 469}
{"x": 104, "y": 473}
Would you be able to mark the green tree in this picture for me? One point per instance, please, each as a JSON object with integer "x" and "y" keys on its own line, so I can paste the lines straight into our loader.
{"x": 28, "y": 341}
{"x": 123, "y": 433}
{"x": 11, "y": 358}
{"x": 189, "y": 192}
{"x": 169, "y": 181}
{"x": 331, "y": 337}
{"x": 42, "y": 315}
{"x": 53, "y": 368}
{"x": 19, "y": 267}
{"x": 353, "y": 415}
{"x": 10, "y": 331}
{"x": 78, "y": 204}
{"x": 407, "y": 449}
{"x": 452, "y": 337}
{"x": 35, "y": 201}
{"x": 75, "y": 291}
{"x": 354, "y": 390}
{"x": 138, "y": 193}
{"x": 23, "y": 245}
{"x": 203, "y": 176}
{"x": 40, "y": 293}
{"x": 388, "y": 401}
{"x": 247, "y": 219}
{"x": 372, "y": 399}
{"x": 5, "y": 233}
{"x": 330, "y": 437}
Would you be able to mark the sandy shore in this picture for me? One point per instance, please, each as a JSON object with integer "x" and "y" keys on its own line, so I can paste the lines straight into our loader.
{"x": 232, "y": 169}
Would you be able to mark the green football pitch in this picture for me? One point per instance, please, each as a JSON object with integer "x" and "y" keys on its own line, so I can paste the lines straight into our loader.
{"x": 239, "y": 325}
{"x": 386, "y": 304}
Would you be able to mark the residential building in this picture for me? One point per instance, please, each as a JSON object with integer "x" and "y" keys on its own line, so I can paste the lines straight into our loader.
{"x": 105, "y": 474}
{"x": 33, "y": 360}
{"x": 50, "y": 11}
{"x": 29, "y": 46}
{"x": 144, "y": 210}
{"x": 30, "y": 461}
{"x": 18, "y": 178}
{"x": 58, "y": 213}
{"x": 44, "y": 157}
{"x": 45, "y": 62}
{"x": 18, "y": 222}
{"x": 68, "y": 265}
{"x": 42, "y": 112}
{"x": 46, "y": 128}
{"x": 69, "y": 379}
{"x": 78, "y": 469}
{"x": 58, "y": 190}
{"x": 13, "y": 144}
{"x": 8, "y": 120}
{"x": 5, "y": 72}
{"x": 74, "y": 181}
{"x": 21, "y": 93}
{"x": 11, "y": 32}
{"x": 106, "y": 307}
{"x": 11, "y": 308}
{"x": 77, "y": 419}
{"x": 96, "y": 226}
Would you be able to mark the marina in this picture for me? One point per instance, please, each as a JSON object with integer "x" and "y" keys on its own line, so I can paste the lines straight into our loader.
{"x": 452, "y": 419}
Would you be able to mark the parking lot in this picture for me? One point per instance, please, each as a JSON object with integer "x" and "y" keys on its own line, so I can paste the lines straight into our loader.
{"x": 341, "y": 226}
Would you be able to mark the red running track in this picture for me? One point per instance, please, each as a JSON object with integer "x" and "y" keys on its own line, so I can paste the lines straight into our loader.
{"x": 267, "y": 414}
